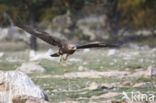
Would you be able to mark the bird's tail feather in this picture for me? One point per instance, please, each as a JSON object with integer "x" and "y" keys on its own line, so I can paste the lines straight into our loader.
{"x": 55, "y": 55}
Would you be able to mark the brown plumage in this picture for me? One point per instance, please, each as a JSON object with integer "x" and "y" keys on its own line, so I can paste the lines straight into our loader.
{"x": 64, "y": 47}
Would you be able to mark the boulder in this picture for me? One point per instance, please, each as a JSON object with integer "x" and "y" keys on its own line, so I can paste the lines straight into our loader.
{"x": 28, "y": 99}
{"x": 134, "y": 46}
{"x": 62, "y": 21}
{"x": 16, "y": 83}
{"x": 86, "y": 50}
{"x": 1, "y": 54}
{"x": 82, "y": 68}
{"x": 151, "y": 71}
{"x": 69, "y": 102}
{"x": 12, "y": 33}
{"x": 93, "y": 86}
{"x": 33, "y": 55}
{"x": 113, "y": 52}
{"x": 140, "y": 85}
{"x": 31, "y": 67}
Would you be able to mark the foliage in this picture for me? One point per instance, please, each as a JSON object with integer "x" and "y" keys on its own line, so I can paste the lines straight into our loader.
{"x": 138, "y": 13}
{"x": 38, "y": 10}
{"x": 77, "y": 89}
{"x": 123, "y": 13}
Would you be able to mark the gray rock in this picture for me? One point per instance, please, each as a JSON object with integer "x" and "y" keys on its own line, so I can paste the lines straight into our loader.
{"x": 33, "y": 55}
{"x": 1, "y": 54}
{"x": 140, "y": 85}
{"x": 93, "y": 26}
{"x": 82, "y": 68}
{"x": 13, "y": 33}
{"x": 86, "y": 50}
{"x": 60, "y": 22}
{"x": 134, "y": 46}
{"x": 112, "y": 52}
{"x": 28, "y": 99}
{"x": 31, "y": 67}
{"x": 151, "y": 71}
{"x": 15, "y": 83}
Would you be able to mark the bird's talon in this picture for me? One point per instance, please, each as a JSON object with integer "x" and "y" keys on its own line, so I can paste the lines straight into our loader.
{"x": 65, "y": 58}
{"x": 60, "y": 59}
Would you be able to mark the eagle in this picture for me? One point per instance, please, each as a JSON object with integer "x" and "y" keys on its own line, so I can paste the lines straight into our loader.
{"x": 65, "y": 48}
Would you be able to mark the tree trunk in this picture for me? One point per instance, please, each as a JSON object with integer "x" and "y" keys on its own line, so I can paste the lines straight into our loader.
{"x": 33, "y": 43}
{"x": 114, "y": 18}
{"x": 33, "y": 39}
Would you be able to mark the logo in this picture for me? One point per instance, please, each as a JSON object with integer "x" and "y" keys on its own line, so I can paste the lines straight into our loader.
{"x": 138, "y": 97}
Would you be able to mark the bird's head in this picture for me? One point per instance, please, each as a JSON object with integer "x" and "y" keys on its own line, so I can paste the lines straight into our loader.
{"x": 72, "y": 47}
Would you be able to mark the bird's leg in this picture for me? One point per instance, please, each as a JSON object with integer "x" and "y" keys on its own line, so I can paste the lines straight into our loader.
{"x": 65, "y": 57}
{"x": 60, "y": 58}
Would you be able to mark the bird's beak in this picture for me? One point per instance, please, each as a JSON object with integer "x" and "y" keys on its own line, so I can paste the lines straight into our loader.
{"x": 75, "y": 48}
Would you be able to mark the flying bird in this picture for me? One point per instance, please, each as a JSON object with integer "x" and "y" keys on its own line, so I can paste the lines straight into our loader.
{"x": 65, "y": 49}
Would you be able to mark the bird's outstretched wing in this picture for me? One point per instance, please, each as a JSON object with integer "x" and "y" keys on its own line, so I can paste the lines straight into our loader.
{"x": 41, "y": 34}
{"x": 98, "y": 44}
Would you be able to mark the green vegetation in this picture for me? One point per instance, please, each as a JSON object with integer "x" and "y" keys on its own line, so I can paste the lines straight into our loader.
{"x": 60, "y": 81}
{"x": 121, "y": 14}
{"x": 77, "y": 89}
